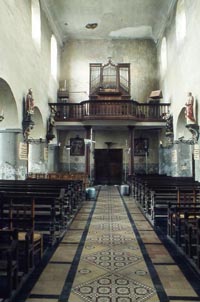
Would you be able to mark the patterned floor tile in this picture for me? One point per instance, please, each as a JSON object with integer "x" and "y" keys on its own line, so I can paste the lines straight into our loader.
{"x": 114, "y": 288}
{"x": 112, "y": 260}
{"x": 112, "y": 264}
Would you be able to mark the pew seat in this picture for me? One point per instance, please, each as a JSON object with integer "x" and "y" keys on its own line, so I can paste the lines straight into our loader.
{"x": 9, "y": 277}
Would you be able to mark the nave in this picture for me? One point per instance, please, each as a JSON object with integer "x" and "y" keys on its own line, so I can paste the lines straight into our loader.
{"x": 112, "y": 254}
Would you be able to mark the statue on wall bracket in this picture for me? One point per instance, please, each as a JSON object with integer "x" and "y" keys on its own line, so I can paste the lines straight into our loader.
{"x": 190, "y": 115}
{"x": 28, "y": 111}
{"x": 50, "y": 126}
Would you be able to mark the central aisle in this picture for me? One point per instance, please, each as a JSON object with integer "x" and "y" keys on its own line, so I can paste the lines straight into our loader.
{"x": 112, "y": 267}
{"x": 111, "y": 254}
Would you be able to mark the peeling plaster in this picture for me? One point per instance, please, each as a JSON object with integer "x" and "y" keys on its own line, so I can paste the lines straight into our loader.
{"x": 133, "y": 32}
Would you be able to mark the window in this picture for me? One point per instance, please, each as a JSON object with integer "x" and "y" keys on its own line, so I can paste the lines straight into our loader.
{"x": 163, "y": 56}
{"x": 54, "y": 53}
{"x": 180, "y": 21}
{"x": 36, "y": 23}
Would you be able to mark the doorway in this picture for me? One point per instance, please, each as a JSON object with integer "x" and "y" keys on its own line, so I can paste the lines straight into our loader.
{"x": 108, "y": 166}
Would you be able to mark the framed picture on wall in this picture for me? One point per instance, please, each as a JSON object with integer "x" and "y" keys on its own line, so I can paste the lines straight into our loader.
{"x": 77, "y": 146}
{"x": 141, "y": 146}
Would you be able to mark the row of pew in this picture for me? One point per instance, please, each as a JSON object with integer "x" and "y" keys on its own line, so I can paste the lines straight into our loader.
{"x": 34, "y": 215}
{"x": 172, "y": 204}
{"x": 61, "y": 176}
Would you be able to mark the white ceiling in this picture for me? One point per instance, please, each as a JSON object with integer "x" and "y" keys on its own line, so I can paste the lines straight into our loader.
{"x": 116, "y": 19}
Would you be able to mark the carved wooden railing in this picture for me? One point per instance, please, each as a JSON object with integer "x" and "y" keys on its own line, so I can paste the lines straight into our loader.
{"x": 109, "y": 109}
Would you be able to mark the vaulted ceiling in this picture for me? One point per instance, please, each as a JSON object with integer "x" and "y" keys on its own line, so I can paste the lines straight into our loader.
{"x": 107, "y": 19}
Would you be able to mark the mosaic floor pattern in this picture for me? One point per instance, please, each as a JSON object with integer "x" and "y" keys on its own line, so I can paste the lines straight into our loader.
{"x": 111, "y": 254}
{"x": 113, "y": 248}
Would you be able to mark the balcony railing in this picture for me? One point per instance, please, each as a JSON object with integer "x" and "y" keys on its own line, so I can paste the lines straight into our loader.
{"x": 125, "y": 109}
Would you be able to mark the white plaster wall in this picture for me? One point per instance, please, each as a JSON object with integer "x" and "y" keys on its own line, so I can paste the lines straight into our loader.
{"x": 141, "y": 54}
{"x": 182, "y": 75}
{"x": 183, "y": 68}
{"x": 22, "y": 66}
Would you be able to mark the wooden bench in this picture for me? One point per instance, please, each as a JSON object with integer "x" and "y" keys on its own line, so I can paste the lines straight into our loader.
{"x": 56, "y": 202}
{"x": 176, "y": 220}
{"x": 154, "y": 192}
{"x": 9, "y": 279}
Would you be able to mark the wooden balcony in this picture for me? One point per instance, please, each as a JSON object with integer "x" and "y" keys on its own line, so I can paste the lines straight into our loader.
{"x": 110, "y": 110}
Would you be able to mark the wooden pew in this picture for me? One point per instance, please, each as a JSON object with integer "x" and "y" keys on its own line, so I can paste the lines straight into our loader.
{"x": 18, "y": 212}
{"x": 9, "y": 279}
{"x": 184, "y": 230}
{"x": 154, "y": 192}
{"x": 176, "y": 220}
{"x": 52, "y": 211}
{"x": 190, "y": 234}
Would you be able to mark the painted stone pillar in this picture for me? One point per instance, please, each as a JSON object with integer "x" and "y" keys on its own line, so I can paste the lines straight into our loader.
{"x": 87, "y": 150}
{"x": 131, "y": 146}
{"x": 11, "y": 167}
{"x": 53, "y": 156}
{"x": 37, "y": 161}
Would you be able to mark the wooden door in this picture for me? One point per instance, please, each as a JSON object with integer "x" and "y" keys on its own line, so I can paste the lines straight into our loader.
{"x": 108, "y": 166}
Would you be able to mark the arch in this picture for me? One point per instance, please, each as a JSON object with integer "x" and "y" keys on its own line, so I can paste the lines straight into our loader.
{"x": 181, "y": 130}
{"x": 36, "y": 22}
{"x": 54, "y": 57}
{"x": 180, "y": 21}
{"x": 39, "y": 130}
{"x": 8, "y": 106}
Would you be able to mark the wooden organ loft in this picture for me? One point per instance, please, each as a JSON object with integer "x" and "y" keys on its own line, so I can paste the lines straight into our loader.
{"x": 109, "y": 99}
{"x": 110, "y": 81}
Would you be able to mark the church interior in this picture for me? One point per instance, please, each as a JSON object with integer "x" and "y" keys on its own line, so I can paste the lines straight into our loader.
{"x": 99, "y": 151}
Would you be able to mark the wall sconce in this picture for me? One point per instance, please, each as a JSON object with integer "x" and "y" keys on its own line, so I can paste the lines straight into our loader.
{"x": 181, "y": 140}
{"x": 194, "y": 130}
{"x": 1, "y": 116}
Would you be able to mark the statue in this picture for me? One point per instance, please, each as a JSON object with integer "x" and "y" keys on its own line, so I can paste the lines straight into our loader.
{"x": 50, "y": 127}
{"x": 29, "y": 102}
{"x": 189, "y": 109}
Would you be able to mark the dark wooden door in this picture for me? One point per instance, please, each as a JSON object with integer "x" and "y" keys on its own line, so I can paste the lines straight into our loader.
{"x": 108, "y": 166}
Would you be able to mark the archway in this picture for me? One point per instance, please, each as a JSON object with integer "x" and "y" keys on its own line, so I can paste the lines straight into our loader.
{"x": 8, "y": 106}
{"x": 181, "y": 130}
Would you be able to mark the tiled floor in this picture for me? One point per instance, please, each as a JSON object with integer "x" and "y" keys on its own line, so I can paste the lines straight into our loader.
{"x": 112, "y": 254}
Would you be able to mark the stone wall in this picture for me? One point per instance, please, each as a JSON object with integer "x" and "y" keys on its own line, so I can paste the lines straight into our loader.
{"x": 141, "y": 54}
{"x": 23, "y": 66}
{"x": 182, "y": 76}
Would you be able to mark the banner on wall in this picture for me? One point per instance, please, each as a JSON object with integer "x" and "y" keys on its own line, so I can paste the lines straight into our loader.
{"x": 196, "y": 152}
{"x": 174, "y": 156}
{"x": 23, "y": 151}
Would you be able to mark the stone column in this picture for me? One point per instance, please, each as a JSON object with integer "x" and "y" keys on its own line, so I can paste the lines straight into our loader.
{"x": 131, "y": 146}
{"x": 87, "y": 150}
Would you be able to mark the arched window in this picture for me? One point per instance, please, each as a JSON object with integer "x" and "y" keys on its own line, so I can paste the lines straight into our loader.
{"x": 36, "y": 23}
{"x": 54, "y": 53}
{"x": 180, "y": 21}
{"x": 163, "y": 55}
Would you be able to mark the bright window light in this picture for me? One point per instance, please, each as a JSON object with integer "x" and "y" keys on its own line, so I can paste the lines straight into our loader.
{"x": 163, "y": 55}
{"x": 54, "y": 53}
{"x": 180, "y": 21}
{"x": 36, "y": 23}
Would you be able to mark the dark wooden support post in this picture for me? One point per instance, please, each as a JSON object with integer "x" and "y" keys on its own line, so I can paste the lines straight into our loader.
{"x": 87, "y": 150}
{"x": 131, "y": 146}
